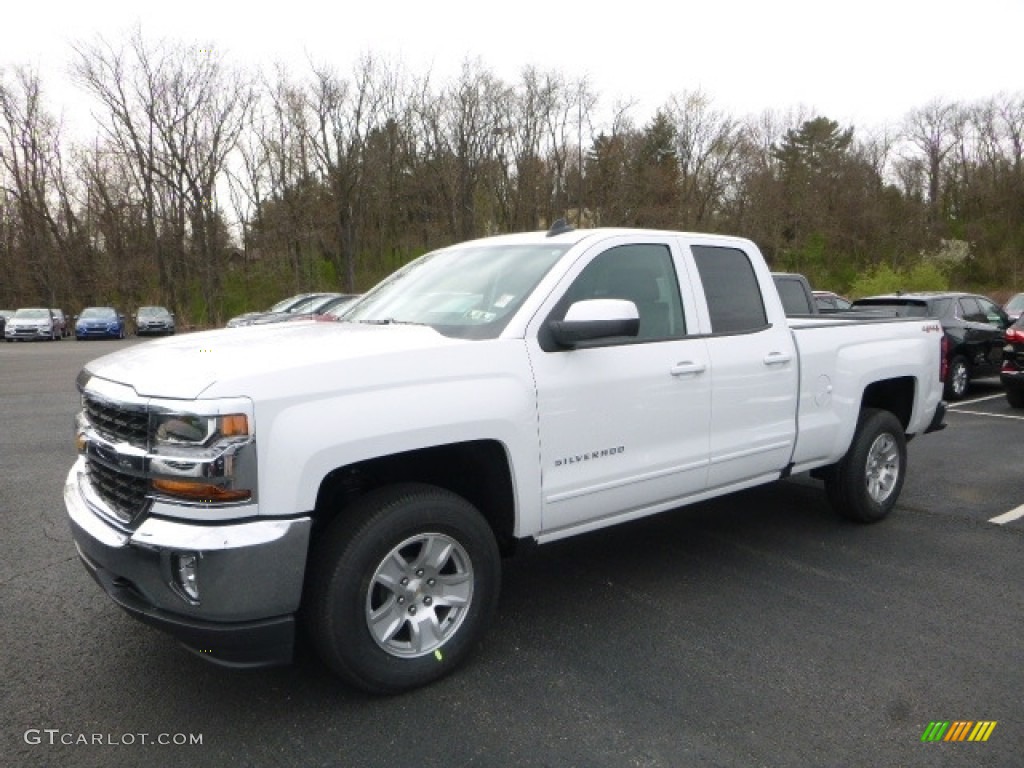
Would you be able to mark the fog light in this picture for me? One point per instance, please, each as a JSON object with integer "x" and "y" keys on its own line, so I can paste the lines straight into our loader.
{"x": 186, "y": 574}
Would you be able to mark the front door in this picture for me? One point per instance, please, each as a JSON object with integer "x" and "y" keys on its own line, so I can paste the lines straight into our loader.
{"x": 623, "y": 423}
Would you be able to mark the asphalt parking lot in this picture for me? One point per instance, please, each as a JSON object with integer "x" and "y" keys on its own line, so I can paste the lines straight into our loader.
{"x": 757, "y": 630}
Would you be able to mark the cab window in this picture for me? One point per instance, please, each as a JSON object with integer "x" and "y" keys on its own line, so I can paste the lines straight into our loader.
{"x": 642, "y": 273}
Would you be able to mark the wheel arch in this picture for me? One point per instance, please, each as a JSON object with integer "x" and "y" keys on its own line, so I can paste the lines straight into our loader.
{"x": 895, "y": 395}
{"x": 477, "y": 470}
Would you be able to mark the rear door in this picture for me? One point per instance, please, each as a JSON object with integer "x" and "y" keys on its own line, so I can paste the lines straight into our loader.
{"x": 984, "y": 329}
{"x": 753, "y": 356}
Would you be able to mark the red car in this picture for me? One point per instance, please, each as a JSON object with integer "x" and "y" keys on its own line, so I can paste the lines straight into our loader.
{"x": 1012, "y": 373}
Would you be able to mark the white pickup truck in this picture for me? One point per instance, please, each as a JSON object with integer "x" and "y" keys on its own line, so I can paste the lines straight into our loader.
{"x": 368, "y": 476}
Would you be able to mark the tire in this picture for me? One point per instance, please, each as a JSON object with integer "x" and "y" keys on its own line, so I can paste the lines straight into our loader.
{"x": 958, "y": 378}
{"x": 1015, "y": 397}
{"x": 400, "y": 560}
{"x": 865, "y": 485}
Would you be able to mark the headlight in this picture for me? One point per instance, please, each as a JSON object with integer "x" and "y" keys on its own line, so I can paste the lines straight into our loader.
{"x": 192, "y": 429}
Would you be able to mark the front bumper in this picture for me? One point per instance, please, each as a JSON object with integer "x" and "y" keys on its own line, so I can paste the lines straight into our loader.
{"x": 27, "y": 333}
{"x": 97, "y": 332}
{"x": 250, "y": 577}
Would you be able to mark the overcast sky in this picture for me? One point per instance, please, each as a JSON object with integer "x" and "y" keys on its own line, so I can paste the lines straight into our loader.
{"x": 863, "y": 63}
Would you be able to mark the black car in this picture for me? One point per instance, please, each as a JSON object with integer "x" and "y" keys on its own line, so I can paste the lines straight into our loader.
{"x": 973, "y": 327}
{"x": 1012, "y": 374}
{"x": 154, "y": 321}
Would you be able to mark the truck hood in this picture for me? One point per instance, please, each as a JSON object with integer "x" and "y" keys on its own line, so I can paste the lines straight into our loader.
{"x": 225, "y": 362}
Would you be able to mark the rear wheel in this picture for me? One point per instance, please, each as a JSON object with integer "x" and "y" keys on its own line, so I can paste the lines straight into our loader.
{"x": 866, "y": 483}
{"x": 958, "y": 379}
{"x": 402, "y": 585}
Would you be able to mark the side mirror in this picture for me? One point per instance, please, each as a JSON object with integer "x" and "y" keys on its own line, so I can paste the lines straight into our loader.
{"x": 596, "y": 319}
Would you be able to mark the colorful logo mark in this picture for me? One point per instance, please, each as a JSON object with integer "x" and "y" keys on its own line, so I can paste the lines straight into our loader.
{"x": 958, "y": 730}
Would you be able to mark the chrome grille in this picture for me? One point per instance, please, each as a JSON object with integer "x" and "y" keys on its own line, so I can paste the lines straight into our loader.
{"x": 117, "y": 422}
{"x": 125, "y": 494}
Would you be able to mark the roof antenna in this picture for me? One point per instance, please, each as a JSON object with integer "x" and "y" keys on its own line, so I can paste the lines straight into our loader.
{"x": 560, "y": 227}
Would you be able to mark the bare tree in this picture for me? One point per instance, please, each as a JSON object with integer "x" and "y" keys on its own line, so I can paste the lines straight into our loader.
{"x": 707, "y": 145}
{"x": 173, "y": 113}
{"x": 931, "y": 129}
{"x": 42, "y": 226}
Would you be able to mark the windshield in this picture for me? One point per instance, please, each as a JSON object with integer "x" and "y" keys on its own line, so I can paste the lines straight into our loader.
{"x": 32, "y": 314}
{"x": 1016, "y": 304}
{"x": 152, "y": 312}
{"x": 343, "y": 306}
{"x": 467, "y": 291}
{"x": 97, "y": 313}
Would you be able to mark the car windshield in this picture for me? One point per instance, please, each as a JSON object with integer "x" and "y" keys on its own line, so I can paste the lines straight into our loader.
{"x": 97, "y": 313}
{"x": 344, "y": 305}
{"x": 285, "y": 304}
{"x": 32, "y": 314}
{"x": 310, "y": 304}
{"x": 152, "y": 312}
{"x": 465, "y": 291}
{"x": 1016, "y": 304}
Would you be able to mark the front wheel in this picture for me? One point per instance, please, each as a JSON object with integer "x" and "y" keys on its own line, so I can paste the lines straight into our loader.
{"x": 866, "y": 483}
{"x": 402, "y": 586}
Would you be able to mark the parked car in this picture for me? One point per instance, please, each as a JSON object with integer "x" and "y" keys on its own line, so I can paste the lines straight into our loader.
{"x": 99, "y": 323}
{"x": 154, "y": 321}
{"x": 1014, "y": 308}
{"x": 5, "y": 314}
{"x": 973, "y": 327}
{"x": 827, "y": 301}
{"x": 1012, "y": 373}
{"x": 32, "y": 323}
{"x": 368, "y": 483}
{"x": 307, "y": 310}
{"x": 285, "y": 305}
{"x": 337, "y": 313}
{"x": 62, "y": 322}
{"x": 320, "y": 308}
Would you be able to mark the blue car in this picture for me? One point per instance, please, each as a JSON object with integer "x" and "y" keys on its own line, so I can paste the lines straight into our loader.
{"x": 99, "y": 323}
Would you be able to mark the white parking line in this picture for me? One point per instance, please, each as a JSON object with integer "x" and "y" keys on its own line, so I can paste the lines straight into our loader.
{"x": 991, "y": 415}
{"x": 1009, "y": 517}
{"x": 975, "y": 400}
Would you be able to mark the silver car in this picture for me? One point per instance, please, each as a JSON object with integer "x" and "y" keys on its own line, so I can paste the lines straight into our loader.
{"x": 154, "y": 320}
{"x": 31, "y": 323}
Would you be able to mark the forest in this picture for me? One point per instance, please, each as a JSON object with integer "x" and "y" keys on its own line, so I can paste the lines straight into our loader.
{"x": 213, "y": 190}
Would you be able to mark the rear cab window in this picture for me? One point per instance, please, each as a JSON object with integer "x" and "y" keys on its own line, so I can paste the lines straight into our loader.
{"x": 733, "y": 294}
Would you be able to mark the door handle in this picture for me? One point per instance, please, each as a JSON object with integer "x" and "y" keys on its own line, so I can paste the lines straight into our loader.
{"x": 777, "y": 358}
{"x": 687, "y": 368}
